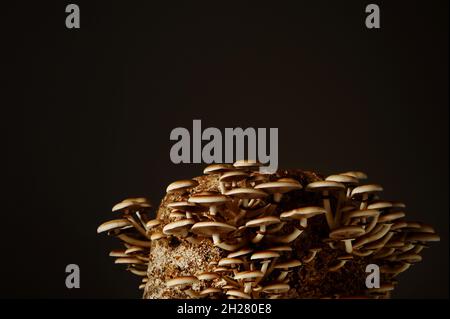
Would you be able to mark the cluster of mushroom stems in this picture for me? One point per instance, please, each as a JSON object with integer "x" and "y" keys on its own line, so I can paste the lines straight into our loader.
{"x": 243, "y": 217}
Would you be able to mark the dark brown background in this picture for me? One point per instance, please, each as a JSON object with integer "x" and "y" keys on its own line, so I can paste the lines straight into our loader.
{"x": 86, "y": 116}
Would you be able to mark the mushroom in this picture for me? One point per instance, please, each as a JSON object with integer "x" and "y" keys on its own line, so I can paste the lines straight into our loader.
{"x": 232, "y": 177}
{"x": 113, "y": 224}
{"x": 349, "y": 182}
{"x": 312, "y": 252}
{"x": 214, "y": 229}
{"x": 181, "y": 186}
{"x": 211, "y": 200}
{"x": 207, "y": 276}
{"x": 325, "y": 187}
{"x": 245, "y": 194}
{"x": 284, "y": 266}
{"x": 356, "y": 174}
{"x": 303, "y": 213}
{"x": 219, "y": 169}
{"x": 247, "y": 165}
{"x": 179, "y": 227}
{"x": 238, "y": 293}
{"x": 364, "y": 191}
{"x": 181, "y": 281}
{"x": 363, "y": 214}
{"x": 152, "y": 223}
{"x": 276, "y": 288}
{"x": 262, "y": 222}
{"x": 347, "y": 234}
{"x": 286, "y": 239}
{"x": 279, "y": 187}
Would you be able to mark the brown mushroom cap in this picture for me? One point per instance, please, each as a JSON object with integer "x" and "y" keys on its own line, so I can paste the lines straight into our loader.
{"x": 218, "y": 168}
{"x": 279, "y": 186}
{"x": 390, "y": 217}
{"x": 264, "y": 254}
{"x": 238, "y": 293}
{"x": 181, "y": 185}
{"x": 324, "y": 186}
{"x": 380, "y": 205}
{"x": 113, "y": 224}
{"x": 356, "y": 174}
{"x": 211, "y": 228}
{"x": 303, "y": 212}
{"x": 152, "y": 223}
{"x": 241, "y": 252}
{"x": 210, "y": 290}
{"x": 208, "y": 199}
{"x": 246, "y": 193}
{"x": 230, "y": 261}
{"x": 276, "y": 287}
{"x": 366, "y": 189}
{"x": 247, "y": 164}
{"x": 179, "y": 227}
{"x": 347, "y": 232}
{"x": 344, "y": 179}
{"x": 233, "y": 176}
{"x": 183, "y": 205}
{"x": 248, "y": 275}
{"x": 263, "y": 221}
{"x": 182, "y": 280}
{"x": 280, "y": 248}
{"x": 425, "y": 237}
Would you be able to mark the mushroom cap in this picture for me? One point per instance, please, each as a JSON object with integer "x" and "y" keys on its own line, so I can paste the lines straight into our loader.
{"x": 276, "y": 287}
{"x": 183, "y": 206}
{"x": 303, "y": 212}
{"x": 379, "y": 205}
{"x": 344, "y": 179}
{"x": 390, "y": 217}
{"x": 238, "y": 293}
{"x": 233, "y": 176}
{"x": 280, "y": 248}
{"x": 208, "y": 199}
{"x": 356, "y": 174}
{"x": 182, "y": 280}
{"x": 152, "y": 223}
{"x": 347, "y": 232}
{"x": 117, "y": 253}
{"x": 264, "y": 254}
{"x": 248, "y": 274}
{"x": 178, "y": 227}
{"x": 230, "y": 261}
{"x": 181, "y": 185}
{"x": 207, "y": 276}
{"x": 288, "y": 264}
{"x": 247, "y": 164}
{"x": 362, "y": 213}
{"x": 263, "y": 221}
{"x": 366, "y": 189}
{"x": 409, "y": 257}
{"x": 425, "y": 237}
{"x": 128, "y": 260}
{"x": 210, "y": 228}
{"x": 246, "y": 193}
{"x": 321, "y": 186}
{"x": 177, "y": 214}
{"x": 280, "y": 186}
{"x": 113, "y": 224}
{"x": 242, "y": 252}
{"x": 218, "y": 168}
{"x": 131, "y": 203}
{"x": 210, "y": 290}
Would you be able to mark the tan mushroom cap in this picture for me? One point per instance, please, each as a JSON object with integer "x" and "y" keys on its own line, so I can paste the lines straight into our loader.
{"x": 230, "y": 261}
{"x": 276, "y": 287}
{"x": 247, "y": 164}
{"x": 263, "y": 221}
{"x": 280, "y": 248}
{"x": 178, "y": 227}
{"x": 356, "y": 174}
{"x": 238, "y": 293}
{"x": 303, "y": 212}
{"x": 324, "y": 186}
{"x": 218, "y": 168}
{"x": 152, "y": 223}
{"x": 390, "y": 217}
{"x": 181, "y": 185}
{"x": 118, "y": 253}
{"x": 241, "y": 252}
{"x": 210, "y": 290}
{"x": 425, "y": 237}
{"x": 246, "y": 193}
{"x": 208, "y": 199}
{"x": 211, "y": 228}
{"x": 157, "y": 235}
{"x": 380, "y": 205}
{"x": 182, "y": 280}
{"x": 183, "y": 205}
{"x": 362, "y": 213}
{"x": 134, "y": 249}
{"x": 233, "y": 176}
{"x": 288, "y": 264}
{"x": 264, "y": 254}
{"x": 207, "y": 276}
{"x": 131, "y": 203}
{"x": 280, "y": 186}
{"x": 366, "y": 189}
{"x": 347, "y": 232}
{"x": 248, "y": 274}
{"x": 113, "y": 224}
{"x": 344, "y": 179}
{"x": 128, "y": 260}
{"x": 409, "y": 257}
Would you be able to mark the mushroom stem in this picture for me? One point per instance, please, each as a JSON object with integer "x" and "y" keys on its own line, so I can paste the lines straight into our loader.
{"x": 138, "y": 227}
{"x": 304, "y": 222}
{"x": 327, "y": 206}
{"x": 222, "y": 187}
{"x": 282, "y": 276}
{"x": 277, "y": 197}
{"x": 348, "y": 246}
{"x": 338, "y": 217}
{"x": 260, "y": 235}
{"x": 248, "y": 287}
{"x": 310, "y": 256}
{"x": 213, "y": 210}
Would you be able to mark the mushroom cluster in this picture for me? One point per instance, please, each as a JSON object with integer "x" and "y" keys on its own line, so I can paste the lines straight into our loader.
{"x": 292, "y": 234}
